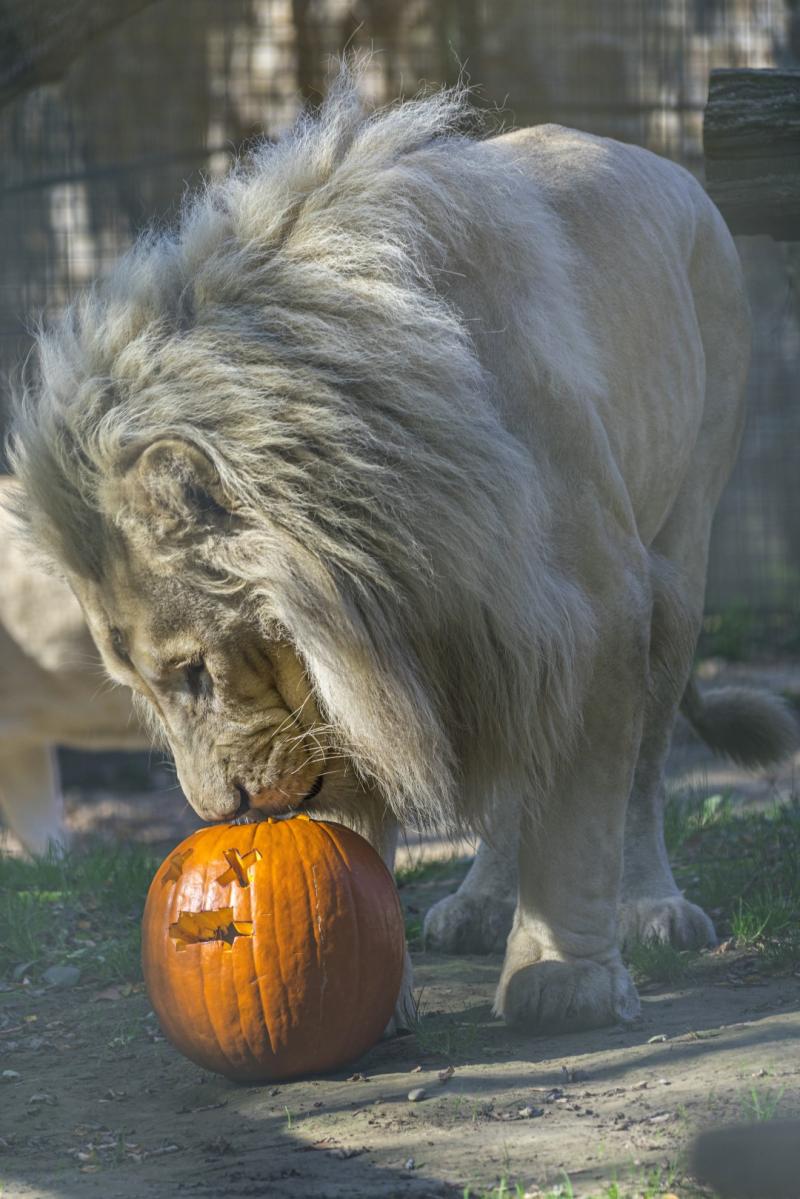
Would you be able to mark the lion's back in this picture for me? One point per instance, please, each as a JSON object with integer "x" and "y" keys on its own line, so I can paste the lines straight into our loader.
{"x": 662, "y": 292}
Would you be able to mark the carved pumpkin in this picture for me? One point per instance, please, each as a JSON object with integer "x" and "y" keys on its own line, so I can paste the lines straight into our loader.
{"x": 273, "y": 949}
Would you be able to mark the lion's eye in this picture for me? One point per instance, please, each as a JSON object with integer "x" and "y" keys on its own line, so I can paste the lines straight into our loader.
{"x": 197, "y": 677}
{"x": 118, "y": 645}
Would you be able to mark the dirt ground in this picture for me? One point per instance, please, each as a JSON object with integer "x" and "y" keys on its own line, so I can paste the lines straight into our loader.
{"x": 97, "y": 1103}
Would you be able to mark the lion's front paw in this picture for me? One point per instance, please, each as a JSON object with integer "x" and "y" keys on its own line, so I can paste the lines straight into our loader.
{"x": 565, "y": 996}
{"x": 462, "y": 923}
{"x": 669, "y": 920}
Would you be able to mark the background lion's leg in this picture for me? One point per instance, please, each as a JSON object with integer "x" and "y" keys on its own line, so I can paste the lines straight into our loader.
{"x": 563, "y": 968}
{"x": 30, "y": 796}
{"x": 477, "y": 917}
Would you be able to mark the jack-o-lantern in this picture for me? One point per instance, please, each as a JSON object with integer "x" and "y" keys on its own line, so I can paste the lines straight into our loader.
{"x": 273, "y": 949}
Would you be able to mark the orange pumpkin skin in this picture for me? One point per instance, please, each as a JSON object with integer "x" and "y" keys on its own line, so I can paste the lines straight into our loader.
{"x": 273, "y": 949}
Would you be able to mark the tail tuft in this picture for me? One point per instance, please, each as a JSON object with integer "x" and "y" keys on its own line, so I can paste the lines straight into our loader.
{"x": 753, "y": 728}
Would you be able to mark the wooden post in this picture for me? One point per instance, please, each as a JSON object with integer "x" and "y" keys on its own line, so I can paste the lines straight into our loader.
{"x": 751, "y": 138}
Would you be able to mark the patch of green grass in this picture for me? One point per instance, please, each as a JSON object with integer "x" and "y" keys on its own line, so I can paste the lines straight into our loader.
{"x": 432, "y": 870}
{"x": 760, "y": 1103}
{"x": 764, "y": 913}
{"x": 659, "y": 963}
{"x": 443, "y": 1034}
{"x": 446, "y": 1037}
{"x": 729, "y": 633}
{"x": 414, "y": 931}
{"x": 652, "y": 1184}
{"x": 81, "y": 909}
{"x": 743, "y": 868}
{"x": 501, "y": 1191}
{"x": 686, "y": 820}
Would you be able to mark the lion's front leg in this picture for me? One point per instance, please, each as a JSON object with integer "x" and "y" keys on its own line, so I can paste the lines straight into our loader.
{"x": 563, "y": 968}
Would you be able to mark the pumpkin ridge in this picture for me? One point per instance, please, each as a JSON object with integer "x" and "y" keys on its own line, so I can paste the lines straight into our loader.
{"x": 354, "y": 907}
{"x": 243, "y": 1037}
{"x": 276, "y": 940}
{"x": 299, "y": 842}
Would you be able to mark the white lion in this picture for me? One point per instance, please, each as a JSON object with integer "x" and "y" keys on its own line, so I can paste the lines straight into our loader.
{"x": 386, "y": 482}
{"x": 52, "y": 691}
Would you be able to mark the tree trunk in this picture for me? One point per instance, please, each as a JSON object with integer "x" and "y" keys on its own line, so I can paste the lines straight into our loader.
{"x": 751, "y": 135}
{"x": 40, "y": 39}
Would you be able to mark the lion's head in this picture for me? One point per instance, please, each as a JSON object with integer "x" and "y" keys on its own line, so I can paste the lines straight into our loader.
{"x": 267, "y": 457}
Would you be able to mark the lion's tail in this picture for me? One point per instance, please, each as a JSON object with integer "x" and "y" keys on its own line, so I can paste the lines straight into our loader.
{"x": 749, "y": 1161}
{"x": 754, "y": 728}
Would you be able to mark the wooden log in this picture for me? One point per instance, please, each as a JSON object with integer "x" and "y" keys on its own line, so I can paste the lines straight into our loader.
{"x": 751, "y": 138}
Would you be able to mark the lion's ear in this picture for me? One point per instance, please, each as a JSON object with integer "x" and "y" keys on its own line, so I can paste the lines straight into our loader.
{"x": 172, "y": 490}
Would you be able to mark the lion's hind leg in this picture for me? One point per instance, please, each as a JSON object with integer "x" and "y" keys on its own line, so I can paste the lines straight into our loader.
{"x": 652, "y": 906}
{"x": 477, "y": 917}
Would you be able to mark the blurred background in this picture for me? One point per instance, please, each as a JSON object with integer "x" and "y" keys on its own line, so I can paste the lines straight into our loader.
{"x": 112, "y": 111}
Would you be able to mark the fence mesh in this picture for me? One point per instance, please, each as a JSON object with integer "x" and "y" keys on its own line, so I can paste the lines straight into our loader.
{"x": 173, "y": 92}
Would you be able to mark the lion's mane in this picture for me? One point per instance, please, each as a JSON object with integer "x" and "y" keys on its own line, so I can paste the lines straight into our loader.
{"x": 298, "y": 327}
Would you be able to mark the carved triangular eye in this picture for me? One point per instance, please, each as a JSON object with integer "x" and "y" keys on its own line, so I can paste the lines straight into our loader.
{"x": 175, "y": 867}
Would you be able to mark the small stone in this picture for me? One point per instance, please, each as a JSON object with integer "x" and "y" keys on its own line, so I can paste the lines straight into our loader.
{"x": 530, "y": 1113}
{"x": 61, "y": 976}
{"x": 409, "y": 1164}
{"x": 658, "y": 1039}
{"x": 417, "y": 1094}
{"x": 10, "y": 1075}
{"x": 41, "y": 1097}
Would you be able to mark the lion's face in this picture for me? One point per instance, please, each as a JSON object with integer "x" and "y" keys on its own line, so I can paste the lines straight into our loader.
{"x": 235, "y": 706}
